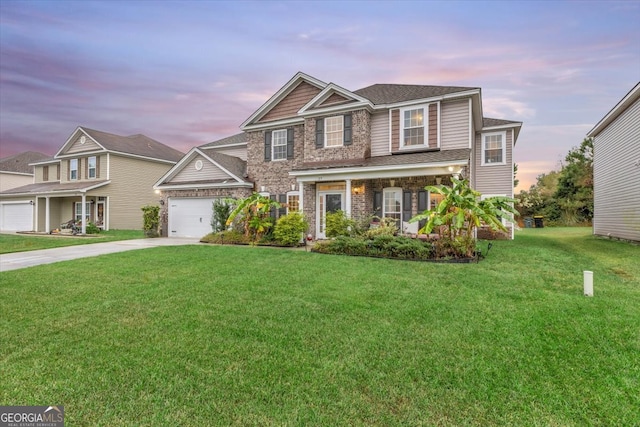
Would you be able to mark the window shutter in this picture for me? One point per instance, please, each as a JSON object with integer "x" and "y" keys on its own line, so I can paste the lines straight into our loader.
{"x": 267, "y": 146}
{"x": 423, "y": 198}
{"x": 58, "y": 171}
{"x": 282, "y": 198}
{"x": 289, "y": 144}
{"x": 406, "y": 205}
{"x": 68, "y": 170}
{"x": 377, "y": 203}
{"x": 86, "y": 168}
{"x": 97, "y": 166}
{"x": 347, "y": 129}
{"x": 319, "y": 133}
{"x": 272, "y": 211}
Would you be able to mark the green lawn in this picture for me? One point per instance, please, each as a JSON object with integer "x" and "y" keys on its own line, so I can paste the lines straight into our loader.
{"x": 219, "y": 335}
{"x": 26, "y": 242}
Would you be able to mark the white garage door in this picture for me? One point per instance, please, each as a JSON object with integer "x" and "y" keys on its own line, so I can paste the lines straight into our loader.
{"x": 190, "y": 217}
{"x": 16, "y": 217}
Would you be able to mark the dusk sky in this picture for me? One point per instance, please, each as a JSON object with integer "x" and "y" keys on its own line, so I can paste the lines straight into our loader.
{"x": 186, "y": 73}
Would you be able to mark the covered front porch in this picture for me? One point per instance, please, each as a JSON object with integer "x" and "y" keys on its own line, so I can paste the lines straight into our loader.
{"x": 374, "y": 190}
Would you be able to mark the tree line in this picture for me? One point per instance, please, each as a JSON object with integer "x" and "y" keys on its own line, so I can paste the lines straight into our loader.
{"x": 563, "y": 197}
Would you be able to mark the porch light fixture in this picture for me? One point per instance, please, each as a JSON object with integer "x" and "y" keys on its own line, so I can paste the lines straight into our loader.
{"x": 293, "y": 187}
{"x": 450, "y": 168}
{"x": 392, "y": 182}
{"x": 262, "y": 188}
{"x": 438, "y": 180}
{"x": 161, "y": 202}
{"x": 358, "y": 190}
{"x": 31, "y": 202}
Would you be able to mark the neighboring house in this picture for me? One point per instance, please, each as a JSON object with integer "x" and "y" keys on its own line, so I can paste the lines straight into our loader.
{"x": 16, "y": 171}
{"x": 616, "y": 170}
{"x": 97, "y": 176}
{"x": 319, "y": 147}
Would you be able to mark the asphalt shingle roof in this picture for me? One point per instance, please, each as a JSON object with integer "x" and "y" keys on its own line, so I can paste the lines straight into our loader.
{"x": 235, "y": 165}
{"x": 46, "y": 187}
{"x": 488, "y": 122}
{"x": 233, "y": 139}
{"x": 140, "y": 145}
{"x": 392, "y": 93}
{"x": 19, "y": 163}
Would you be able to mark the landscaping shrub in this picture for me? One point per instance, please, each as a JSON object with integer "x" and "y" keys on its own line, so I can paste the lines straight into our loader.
{"x": 221, "y": 211}
{"x": 290, "y": 229}
{"x": 381, "y": 246}
{"x": 337, "y": 224}
{"x": 151, "y": 220}
{"x": 92, "y": 228}
{"x": 230, "y": 237}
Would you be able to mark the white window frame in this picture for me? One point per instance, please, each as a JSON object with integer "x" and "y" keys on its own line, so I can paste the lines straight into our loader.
{"x": 78, "y": 215}
{"x": 397, "y": 191}
{"x": 94, "y": 168}
{"x": 327, "y": 133}
{"x": 503, "y": 134}
{"x": 293, "y": 194}
{"x": 279, "y": 132}
{"x": 425, "y": 126}
{"x": 73, "y": 169}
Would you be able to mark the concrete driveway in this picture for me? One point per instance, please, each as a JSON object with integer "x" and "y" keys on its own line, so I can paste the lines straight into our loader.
{"x": 18, "y": 260}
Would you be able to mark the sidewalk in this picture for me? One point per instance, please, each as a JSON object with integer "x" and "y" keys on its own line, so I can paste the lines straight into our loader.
{"x": 17, "y": 260}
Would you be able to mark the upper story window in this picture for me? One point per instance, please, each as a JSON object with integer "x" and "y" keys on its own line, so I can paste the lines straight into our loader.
{"x": 333, "y": 131}
{"x": 494, "y": 148}
{"x": 73, "y": 169}
{"x": 413, "y": 127}
{"x": 92, "y": 167}
{"x": 45, "y": 173}
{"x": 279, "y": 144}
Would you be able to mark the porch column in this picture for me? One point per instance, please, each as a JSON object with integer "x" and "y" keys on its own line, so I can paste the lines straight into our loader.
{"x": 47, "y": 225}
{"x": 34, "y": 223}
{"x": 301, "y": 201}
{"x": 84, "y": 213}
{"x": 347, "y": 202}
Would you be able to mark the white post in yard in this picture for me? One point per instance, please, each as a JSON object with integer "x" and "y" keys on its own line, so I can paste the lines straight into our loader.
{"x": 588, "y": 283}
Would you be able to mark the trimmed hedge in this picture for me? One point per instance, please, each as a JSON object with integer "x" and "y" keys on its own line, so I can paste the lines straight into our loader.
{"x": 382, "y": 246}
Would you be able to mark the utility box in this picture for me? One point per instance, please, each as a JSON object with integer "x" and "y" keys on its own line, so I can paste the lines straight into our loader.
{"x": 528, "y": 222}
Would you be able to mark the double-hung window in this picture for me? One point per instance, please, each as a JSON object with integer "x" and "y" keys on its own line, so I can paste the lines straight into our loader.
{"x": 92, "y": 167}
{"x": 333, "y": 131}
{"x": 392, "y": 203}
{"x": 73, "y": 169}
{"x": 413, "y": 127}
{"x": 494, "y": 148}
{"x": 87, "y": 212}
{"x": 279, "y": 144}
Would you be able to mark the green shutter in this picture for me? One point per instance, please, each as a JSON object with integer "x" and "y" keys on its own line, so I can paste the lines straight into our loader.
{"x": 347, "y": 129}
{"x": 272, "y": 211}
{"x": 319, "y": 133}
{"x": 289, "y": 144}
{"x": 267, "y": 146}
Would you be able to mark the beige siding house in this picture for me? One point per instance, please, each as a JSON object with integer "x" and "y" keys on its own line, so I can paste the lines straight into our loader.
{"x": 616, "y": 170}
{"x": 95, "y": 177}
{"x": 16, "y": 171}
{"x": 318, "y": 147}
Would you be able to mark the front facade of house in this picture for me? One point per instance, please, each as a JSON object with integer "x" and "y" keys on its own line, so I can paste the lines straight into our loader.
{"x": 616, "y": 170}
{"x": 318, "y": 148}
{"x": 94, "y": 177}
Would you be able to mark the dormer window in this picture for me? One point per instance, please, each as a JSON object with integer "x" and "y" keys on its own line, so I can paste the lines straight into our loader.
{"x": 414, "y": 131}
{"x": 73, "y": 169}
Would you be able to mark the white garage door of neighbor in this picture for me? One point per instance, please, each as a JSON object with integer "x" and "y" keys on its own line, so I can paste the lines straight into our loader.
{"x": 16, "y": 217}
{"x": 190, "y": 217}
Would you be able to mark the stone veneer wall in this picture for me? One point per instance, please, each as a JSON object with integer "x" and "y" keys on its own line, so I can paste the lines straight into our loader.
{"x": 360, "y": 140}
{"x": 208, "y": 192}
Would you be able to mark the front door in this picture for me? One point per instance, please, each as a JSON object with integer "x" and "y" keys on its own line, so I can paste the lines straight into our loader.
{"x": 329, "y": 201}
{"x": 100, "y": 214}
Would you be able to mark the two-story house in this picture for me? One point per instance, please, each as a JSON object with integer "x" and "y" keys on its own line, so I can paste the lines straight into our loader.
{"x": 94, "y": 177}
{"x": 320, "y": 147}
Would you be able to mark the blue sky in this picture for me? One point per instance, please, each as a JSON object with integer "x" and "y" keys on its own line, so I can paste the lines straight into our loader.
{"x": 186, "y": 73}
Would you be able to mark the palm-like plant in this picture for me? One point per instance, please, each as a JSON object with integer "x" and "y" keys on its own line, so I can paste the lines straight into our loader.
{"x": 461, "y": 211}
{"x": 253, "y": 214}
